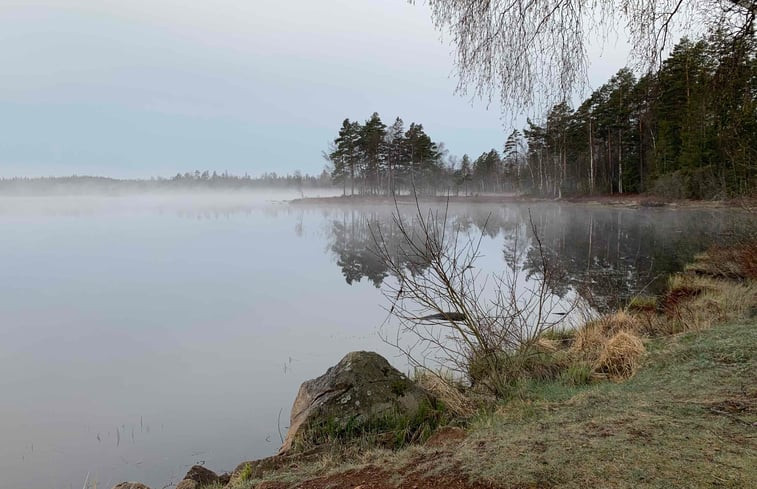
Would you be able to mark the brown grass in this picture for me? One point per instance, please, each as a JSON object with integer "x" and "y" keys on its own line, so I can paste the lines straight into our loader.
{"x": 447, "y": 391}
{"x": 735, "y": 262}
{"x": 646, "y": 304}
{"x": 718, "y": 301}
{"x": 621, "y": 356}
{"x": 718, "y": 288}
{"x": 591, "y": 338}
{"x": 546, "y": 345}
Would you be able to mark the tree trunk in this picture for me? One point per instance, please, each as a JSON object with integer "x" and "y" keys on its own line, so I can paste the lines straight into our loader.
{"x": 620, "y": 162}
{"x": 591, "y": 160}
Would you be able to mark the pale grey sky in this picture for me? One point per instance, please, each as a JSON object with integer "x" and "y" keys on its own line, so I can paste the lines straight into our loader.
{"x": 138, "y": 88}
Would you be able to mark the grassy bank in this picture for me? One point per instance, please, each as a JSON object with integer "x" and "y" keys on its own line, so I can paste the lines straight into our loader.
{"x": 662, "y": 394}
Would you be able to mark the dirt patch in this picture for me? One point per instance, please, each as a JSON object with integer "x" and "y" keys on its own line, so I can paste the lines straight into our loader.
{"x": 744, "y": 405}
{"x": 446, "y": 436}
{"x": 272, "y": 485}
{"x": 408, "y": 477}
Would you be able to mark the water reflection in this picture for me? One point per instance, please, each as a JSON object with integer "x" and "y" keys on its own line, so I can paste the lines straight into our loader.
{"x": 608, "y": 254}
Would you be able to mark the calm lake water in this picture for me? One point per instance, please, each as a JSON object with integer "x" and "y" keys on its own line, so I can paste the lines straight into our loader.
{"x": 142, "y": 335}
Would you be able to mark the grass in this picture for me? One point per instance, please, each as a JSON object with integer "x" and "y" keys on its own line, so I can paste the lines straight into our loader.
{"x": 621, "y": 355}
{"x": 663, "y": 428}
{"x": 391, "y": 430}
{"x": 613, "y": 346}
{"x": 643, "y": 303}
{"x": 449, "y": 390}
{"x": 562, "y": 336}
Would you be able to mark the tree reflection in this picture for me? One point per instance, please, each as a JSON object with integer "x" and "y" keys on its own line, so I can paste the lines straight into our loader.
{"x": 352, "y": 241}
{"x": 607, "y": 254}
{"x": 353, "y": 246}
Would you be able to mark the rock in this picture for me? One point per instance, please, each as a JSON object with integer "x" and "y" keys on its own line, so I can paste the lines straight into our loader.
{"x": 255, "y": 469}
{"x": 201, "y": 475}
{"x": 361, "y": 388}
{"x": 224, "y": 479}
{"x": 130, "y": 485}
{"x": 188, "y": 484}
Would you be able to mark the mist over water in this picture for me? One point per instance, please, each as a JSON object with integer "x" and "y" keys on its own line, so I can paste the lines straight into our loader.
{"x": 144, "y": 334}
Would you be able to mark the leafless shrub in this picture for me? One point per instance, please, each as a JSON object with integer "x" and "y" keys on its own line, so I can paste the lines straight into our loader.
{"x": 452, "y": 314}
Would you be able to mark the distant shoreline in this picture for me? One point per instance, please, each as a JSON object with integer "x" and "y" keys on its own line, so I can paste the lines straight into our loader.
{"x": 627, "y": 200}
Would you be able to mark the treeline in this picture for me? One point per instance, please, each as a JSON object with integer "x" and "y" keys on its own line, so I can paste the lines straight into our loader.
{"x": 266, "y": 180}
{"x": 687, "y": 131}
{"x": 196, "y": 180}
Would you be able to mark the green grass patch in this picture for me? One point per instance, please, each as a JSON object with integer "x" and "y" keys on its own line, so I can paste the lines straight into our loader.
{"x": 643, "y": 303}
{"x": 685, "y": 420}
{"x": 563, "y": 336}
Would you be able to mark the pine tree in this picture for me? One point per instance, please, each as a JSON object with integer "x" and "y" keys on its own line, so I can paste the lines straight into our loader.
{"x": 373, "y": 149}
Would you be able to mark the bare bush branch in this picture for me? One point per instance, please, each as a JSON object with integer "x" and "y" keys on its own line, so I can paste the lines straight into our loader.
{"x": 451, "y": 314}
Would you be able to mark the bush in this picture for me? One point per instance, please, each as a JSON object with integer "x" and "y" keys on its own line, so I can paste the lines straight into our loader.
{"x": 671, "y": 186}
{"x": 694, "y": 183}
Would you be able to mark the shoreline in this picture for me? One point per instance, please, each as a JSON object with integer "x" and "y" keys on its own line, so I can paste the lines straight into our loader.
{"x": 631, "y": 201}
{"x": 695, "y": 342}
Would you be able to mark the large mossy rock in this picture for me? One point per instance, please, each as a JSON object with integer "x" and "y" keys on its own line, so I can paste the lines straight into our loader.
{"x": 363, "y": 392}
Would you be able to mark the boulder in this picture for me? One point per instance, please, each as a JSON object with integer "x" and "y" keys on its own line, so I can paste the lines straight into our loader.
{"x": 201, "y": 475}
{"x": 361, "y": 389}
{"x": 188, "y": 484}
{"x": 130, "y": 485}
{"x": 224, "y": 479}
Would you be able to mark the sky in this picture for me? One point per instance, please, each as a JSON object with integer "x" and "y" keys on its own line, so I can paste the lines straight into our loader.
{"x": 137, "y": 88}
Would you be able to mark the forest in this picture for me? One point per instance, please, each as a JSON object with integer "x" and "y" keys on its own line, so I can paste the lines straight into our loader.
{"x": 688, "y": 130}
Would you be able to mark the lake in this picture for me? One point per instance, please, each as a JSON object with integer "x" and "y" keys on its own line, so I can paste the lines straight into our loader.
{"x": 144, "y": 334}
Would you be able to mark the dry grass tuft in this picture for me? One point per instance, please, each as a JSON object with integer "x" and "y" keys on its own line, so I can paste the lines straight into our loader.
{"x": 621, "y": 356}
{"x": 447, "y": 392}
{"x": 620, "y": 321}
{"x": 546, "y": 345}
{"x": 683, "y": 287}
{"x": 716, "y": 302}
{"x": 591, "y": 338}
{"x": 643, "y": 304}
